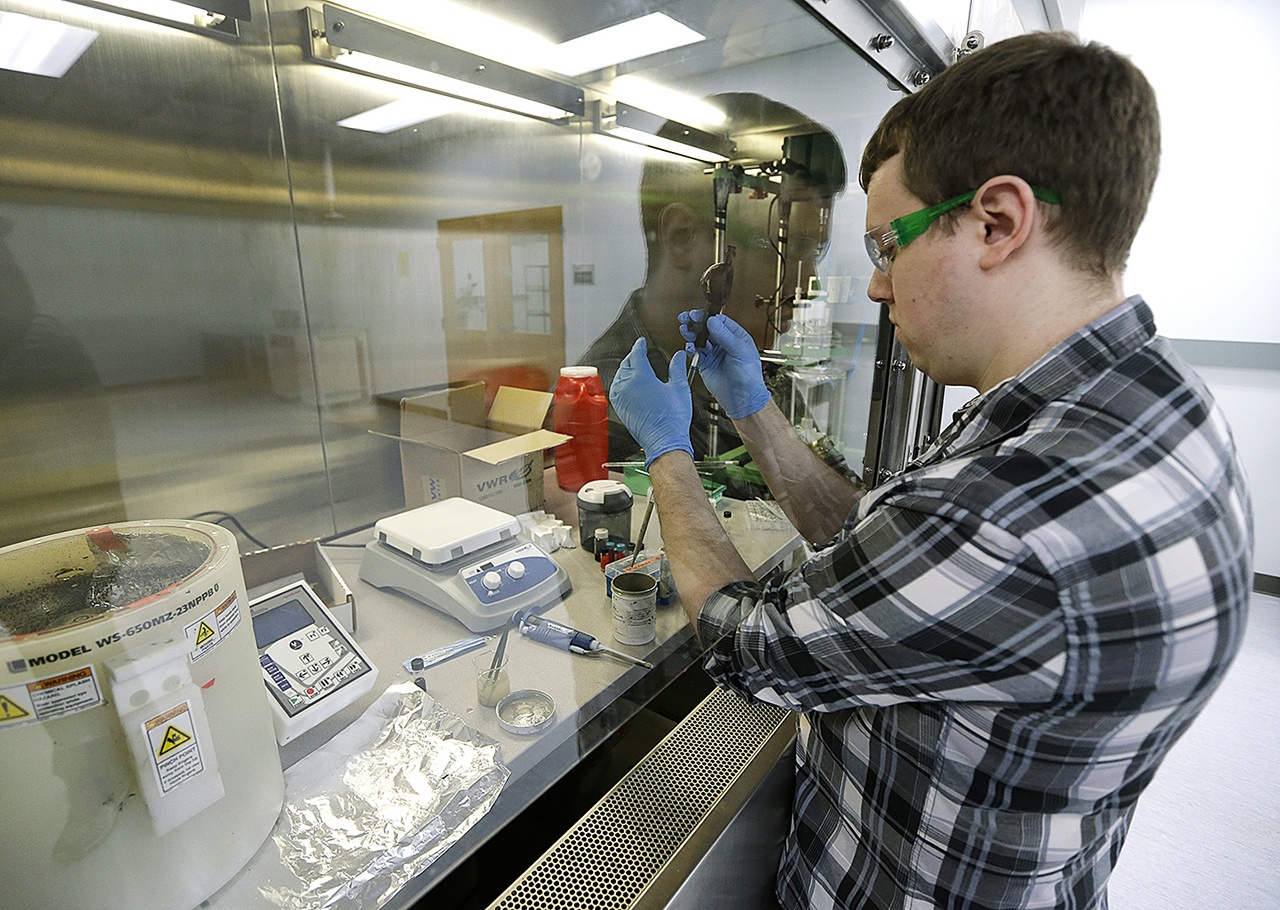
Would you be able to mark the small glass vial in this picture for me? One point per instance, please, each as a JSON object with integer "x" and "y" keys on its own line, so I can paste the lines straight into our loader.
{"x": 492, "y": 682}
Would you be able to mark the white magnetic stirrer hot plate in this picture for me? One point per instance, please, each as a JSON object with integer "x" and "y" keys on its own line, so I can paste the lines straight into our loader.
{"x": 463, "y": 559}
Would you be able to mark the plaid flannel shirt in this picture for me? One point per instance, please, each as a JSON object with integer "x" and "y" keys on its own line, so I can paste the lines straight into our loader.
{"x": 996, "y": 653}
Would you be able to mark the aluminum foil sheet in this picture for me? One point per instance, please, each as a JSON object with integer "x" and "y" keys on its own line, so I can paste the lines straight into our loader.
{"x": 360, "y": 822}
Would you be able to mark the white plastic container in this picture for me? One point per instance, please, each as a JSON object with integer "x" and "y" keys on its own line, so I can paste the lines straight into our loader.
{"x": 604, "y": 504}
{"x": 136, "y": 747}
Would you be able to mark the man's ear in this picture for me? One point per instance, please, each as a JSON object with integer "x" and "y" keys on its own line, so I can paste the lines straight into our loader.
{"x": 680, "y": 232}
{"x": 1006, "y": 208}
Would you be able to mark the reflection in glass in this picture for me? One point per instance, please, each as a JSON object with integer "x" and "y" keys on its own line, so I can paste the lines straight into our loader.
{"x": 468, "y": 279}
{"x": 247, "y": 340}
{"x": 531, "y": 283}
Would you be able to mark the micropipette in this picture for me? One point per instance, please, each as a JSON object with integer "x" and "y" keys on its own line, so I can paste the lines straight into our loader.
{"x": 567, "y": 638}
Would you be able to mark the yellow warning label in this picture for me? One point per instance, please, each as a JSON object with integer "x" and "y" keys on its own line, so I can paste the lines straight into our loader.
{"x": 168, "y": 715}
{"x": 204, "y": 633}
{"x": 213, "y": 628}
{"x": 11, "y": 710}
{"x": 173, "y": 738}
{"x": 44, "y": 699}
{"x": 53, "y": 682}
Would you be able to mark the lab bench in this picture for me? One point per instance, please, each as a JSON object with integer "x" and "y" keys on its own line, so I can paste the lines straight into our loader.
{"x": 596, "y": 696}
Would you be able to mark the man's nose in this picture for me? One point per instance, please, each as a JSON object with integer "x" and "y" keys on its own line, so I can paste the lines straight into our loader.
{"x": 880, "y": 288}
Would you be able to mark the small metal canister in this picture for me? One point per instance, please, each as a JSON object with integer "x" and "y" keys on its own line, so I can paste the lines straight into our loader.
{"x": 604, "y": 504}
{"x": 635, "y": 608}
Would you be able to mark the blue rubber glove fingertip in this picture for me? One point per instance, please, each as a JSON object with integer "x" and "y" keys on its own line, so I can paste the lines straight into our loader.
{"x": 679, "y": 363}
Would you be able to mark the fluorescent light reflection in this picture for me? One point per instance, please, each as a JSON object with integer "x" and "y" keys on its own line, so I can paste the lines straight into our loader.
{"x": 673, "y": 104}
{"x": 667, "y": 145}
{"x": 495, "y": 38}
{"x": 435, "y": 82}
{"x": 396, "y": 115}
{"x": 406, "y": 112}
{"x": 629, "y": 40}
{"x": 41, "y": 47}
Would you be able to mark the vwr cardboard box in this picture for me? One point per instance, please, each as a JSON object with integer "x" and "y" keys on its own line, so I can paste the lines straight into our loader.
{"x": 449, "y": 448}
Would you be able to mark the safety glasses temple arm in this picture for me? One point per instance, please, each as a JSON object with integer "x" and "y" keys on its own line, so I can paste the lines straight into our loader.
{"x": 909, "y": 227}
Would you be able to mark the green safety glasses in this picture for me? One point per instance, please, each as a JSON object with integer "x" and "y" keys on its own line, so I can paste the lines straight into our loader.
{"x": 883, "y": 243}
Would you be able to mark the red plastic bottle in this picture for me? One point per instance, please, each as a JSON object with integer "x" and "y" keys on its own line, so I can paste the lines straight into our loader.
{"x": 580, "y": 410}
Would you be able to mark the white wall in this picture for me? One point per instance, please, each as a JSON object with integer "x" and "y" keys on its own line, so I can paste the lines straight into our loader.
{"x": 1206, "y": 255}
{"x": 1205, "y": 259}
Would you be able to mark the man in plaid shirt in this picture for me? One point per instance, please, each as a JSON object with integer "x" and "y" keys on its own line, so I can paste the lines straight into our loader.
{"x": 993, "y": 651}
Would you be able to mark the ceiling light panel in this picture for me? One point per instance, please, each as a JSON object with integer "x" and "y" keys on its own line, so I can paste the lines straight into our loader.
{"x": 629, "y": 40}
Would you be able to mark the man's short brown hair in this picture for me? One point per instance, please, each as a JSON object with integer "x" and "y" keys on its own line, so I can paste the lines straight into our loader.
{"x": 1079, "y": 119}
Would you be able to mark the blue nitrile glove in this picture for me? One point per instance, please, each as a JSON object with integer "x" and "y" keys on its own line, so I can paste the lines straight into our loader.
{"x": 657, "y": 413}
{"x": 728, "y": 361}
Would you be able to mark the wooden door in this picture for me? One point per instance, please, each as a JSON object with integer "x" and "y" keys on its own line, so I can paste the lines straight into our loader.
{"x": 503, "y": 281}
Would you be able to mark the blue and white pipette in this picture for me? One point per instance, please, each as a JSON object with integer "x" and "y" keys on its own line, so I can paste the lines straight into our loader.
{"x": 567, "y": 638}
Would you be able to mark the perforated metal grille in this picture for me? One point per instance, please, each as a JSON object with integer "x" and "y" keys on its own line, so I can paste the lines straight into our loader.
{"x": 615, "y": 851}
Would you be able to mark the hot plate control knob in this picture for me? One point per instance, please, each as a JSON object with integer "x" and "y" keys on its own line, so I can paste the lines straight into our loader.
{"x": 492, "y": 580}
{"x": 516, "y": 569}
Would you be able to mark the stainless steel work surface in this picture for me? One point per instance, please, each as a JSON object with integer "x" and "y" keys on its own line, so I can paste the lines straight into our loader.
{"x": 594, "y": 695}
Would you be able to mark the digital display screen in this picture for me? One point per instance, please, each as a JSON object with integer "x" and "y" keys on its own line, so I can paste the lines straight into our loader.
{"x": 279, "y": 622}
